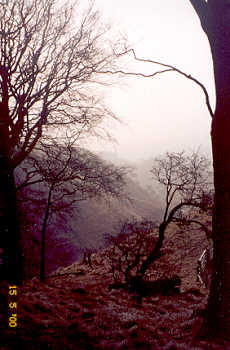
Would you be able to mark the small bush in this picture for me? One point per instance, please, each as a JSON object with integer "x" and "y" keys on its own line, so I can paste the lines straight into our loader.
{"x": 128, "y": 250}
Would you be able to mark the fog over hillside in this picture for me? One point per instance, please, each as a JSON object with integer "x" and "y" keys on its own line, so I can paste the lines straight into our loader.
{"x": 141, "y": 174}
{"x": 71, "y": 232}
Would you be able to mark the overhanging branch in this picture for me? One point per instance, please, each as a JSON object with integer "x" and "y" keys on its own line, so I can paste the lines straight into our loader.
{"x": 169, "y": 68}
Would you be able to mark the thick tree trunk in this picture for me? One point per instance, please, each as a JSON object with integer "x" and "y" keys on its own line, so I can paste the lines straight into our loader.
{"x": 9, "y": 226}
{"x": 9, "y": 223}
{"x": 218, "y": 311}
{"x": 218, "y": 316}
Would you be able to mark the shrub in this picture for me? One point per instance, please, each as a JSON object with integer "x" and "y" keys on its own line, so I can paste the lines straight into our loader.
{"x": 129, "y": 248}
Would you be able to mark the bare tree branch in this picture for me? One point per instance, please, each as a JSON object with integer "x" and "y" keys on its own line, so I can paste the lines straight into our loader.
{"x": 185, "y": 178}
{"x": 48, "y": 65}
{"x": 169, "y": 68}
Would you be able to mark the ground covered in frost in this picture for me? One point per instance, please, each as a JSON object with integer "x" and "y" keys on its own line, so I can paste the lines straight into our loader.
{"x": 77, "y": 311}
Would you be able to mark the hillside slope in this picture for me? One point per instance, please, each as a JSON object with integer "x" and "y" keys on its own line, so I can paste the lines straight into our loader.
{"x": 72, "y": 231}
{"x": 75, "y": 309}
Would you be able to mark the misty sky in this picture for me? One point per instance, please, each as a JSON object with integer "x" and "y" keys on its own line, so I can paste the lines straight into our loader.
{"x": 167, "y": 112}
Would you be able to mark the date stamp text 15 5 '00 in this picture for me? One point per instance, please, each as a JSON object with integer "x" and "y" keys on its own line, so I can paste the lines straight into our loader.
{"x": 13, "y": 305}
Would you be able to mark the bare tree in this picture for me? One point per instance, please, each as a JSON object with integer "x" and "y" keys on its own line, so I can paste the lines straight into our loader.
{"x": 186, "y": 181}
{"x": 188, "y": 193}
{"x": 69, "y": 175}
{"x": 214, "y": 18}
{"x": 49, "y": 58}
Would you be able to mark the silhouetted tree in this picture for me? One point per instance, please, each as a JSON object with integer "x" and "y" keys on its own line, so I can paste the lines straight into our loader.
{"x": 186, "y": 181}
{"x": 215, "y": 18}
{"x": 69, "y": 175}
{"x": 50, "y": 55}
{"x": 215, "y": 21}
{"x": 187, "y": 185}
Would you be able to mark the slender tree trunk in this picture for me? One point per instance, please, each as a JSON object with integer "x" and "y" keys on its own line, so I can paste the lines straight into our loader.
{"x": 154, "y": 254}
{"x": 43, "y": 238}
{"x": 156, "y": 250}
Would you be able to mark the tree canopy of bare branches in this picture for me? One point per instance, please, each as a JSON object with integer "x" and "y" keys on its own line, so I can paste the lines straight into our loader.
{"x": 50, "y": 56}
{"x": 68, "y": 175}
{"x": 187, "y": 185}
{"x": 73, "y": 172}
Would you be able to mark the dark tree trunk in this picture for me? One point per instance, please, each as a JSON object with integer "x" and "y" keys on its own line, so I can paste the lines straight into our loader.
{"x": 218, "y": 316}
{"x": 215, "y": 20}
{"x": 156, "y": 250}
{"x": 9, "y": 223}
{"x": 9, "y": 226}
{"x": 155, "y": 253}
{"x": 43, "y": 238}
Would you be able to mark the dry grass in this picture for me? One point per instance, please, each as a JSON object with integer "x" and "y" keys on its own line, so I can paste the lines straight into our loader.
{"x": 78, "y": 312}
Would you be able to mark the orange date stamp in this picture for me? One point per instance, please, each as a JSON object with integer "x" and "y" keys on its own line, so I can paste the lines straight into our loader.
{"x": 13, "y": 306}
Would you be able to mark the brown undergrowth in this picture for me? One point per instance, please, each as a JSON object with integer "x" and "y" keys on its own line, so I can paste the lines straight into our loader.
{"x": 77, "y": 311}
